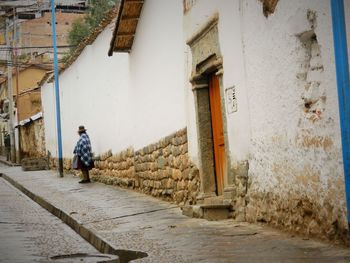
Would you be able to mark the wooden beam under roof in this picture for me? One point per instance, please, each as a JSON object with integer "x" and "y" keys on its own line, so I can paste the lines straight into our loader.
{"x": 130, "y": 18}
{"x": 126, "y": 24}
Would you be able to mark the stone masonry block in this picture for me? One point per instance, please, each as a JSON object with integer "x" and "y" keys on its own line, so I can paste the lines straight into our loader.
{"x": 215, "y": 214}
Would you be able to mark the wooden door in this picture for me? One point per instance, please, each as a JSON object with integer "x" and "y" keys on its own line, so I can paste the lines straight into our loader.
{"x": 218, "y": 132}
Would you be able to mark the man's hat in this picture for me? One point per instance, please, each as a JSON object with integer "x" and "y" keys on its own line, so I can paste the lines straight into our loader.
{"x": 81, "y": 128}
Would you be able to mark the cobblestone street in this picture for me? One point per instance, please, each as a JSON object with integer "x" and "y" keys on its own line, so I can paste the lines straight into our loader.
{"x": 130, "y": 221}
{"x": 29, "y": 233}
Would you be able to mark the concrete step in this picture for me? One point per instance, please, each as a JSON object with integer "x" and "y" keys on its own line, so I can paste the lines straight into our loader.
{"x": 215, "y": 200}
{"x": 210, "y": 212}
{"x": 34, "y": 164}
{"x": 215, "y": 212}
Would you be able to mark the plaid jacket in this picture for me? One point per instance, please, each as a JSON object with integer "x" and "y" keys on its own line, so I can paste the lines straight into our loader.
{"x": 83, "y": 149}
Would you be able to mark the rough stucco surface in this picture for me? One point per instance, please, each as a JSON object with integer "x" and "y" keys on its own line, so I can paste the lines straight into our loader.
{"x": 28, "y": 104}
{"x": 33, "y": 139}
{"x": 284, "y": 139}
{"x": 295, "y": 166}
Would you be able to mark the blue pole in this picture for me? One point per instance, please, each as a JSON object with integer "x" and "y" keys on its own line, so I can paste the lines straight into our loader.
{"x": 57, "y": 91}
{"x": 342, "y": 70}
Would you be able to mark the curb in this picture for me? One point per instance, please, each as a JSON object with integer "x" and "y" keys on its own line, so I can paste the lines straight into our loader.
{"x": 99, "y": 243}
{"x": 9, "y": 163}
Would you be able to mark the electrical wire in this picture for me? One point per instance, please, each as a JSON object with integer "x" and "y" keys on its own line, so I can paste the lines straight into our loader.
{"x": 25, "y": 64}
{"x": 35, "y": 47}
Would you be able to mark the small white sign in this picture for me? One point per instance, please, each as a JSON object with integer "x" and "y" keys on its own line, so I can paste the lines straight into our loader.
{"x": 231, "y": 99}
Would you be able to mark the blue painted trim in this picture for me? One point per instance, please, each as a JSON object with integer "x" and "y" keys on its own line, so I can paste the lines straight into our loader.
{"x": 57, "y": 90}
{"x": 342, "y": 69}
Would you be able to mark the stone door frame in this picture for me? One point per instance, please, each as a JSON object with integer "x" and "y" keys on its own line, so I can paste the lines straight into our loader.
{"x": 207, "y": 60}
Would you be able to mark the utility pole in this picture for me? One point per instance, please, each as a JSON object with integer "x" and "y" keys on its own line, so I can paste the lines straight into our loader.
{"x": 57, "y": 91}
{"x": 18, "y": 155}
{"x": 343, "y": 85}
{"x": 10, "y": 91}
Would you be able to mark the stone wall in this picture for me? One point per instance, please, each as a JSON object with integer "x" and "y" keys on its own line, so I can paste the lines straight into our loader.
{"x": 67, "y": 165}
{"x": 162, "y": 169}
{"x": 117, "y": 169}
{"x": 297, "y": 213}
{"x": 241, "y": 186}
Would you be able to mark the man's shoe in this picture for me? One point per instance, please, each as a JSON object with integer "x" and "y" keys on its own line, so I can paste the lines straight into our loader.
{"x": 84, "y": 181}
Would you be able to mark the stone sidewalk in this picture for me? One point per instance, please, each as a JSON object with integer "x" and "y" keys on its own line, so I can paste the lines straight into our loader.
{"x": 134, "y": 225}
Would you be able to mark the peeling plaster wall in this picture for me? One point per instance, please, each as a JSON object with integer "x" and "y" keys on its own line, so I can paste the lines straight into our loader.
{"x": 33, "y": 139}
{"x": 295, "y": 165}
{"x": 284, "y": 139}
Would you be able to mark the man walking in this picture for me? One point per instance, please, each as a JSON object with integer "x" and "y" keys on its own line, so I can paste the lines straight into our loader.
{"x": 83, "y": 151}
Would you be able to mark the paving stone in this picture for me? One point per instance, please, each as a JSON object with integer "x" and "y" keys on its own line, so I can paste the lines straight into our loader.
{"x": 130, "y": 220}
{"x": 29, "y": 233}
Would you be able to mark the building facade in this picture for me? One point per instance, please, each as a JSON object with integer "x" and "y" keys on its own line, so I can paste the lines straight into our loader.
{"x": 282, "y": 156}
{"x": 228, "y": 105}
{"x": 27, "y": 100}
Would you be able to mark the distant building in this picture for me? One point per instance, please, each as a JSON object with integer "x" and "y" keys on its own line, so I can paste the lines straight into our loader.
{"x": 27, "y": 97}
{"x": 32, "y": 36}
{"x": 36, "y": 34}
{"x": 33, "y": 22}
{"x": 30, "y": 9}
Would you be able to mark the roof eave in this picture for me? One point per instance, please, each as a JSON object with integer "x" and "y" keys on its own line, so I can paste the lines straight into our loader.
{"x": 126, "y": 25}
{"x": 114, "y": 37}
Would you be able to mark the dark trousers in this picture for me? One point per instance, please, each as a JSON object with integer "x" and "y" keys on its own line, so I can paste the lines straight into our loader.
{"x": 8, "y": 153}
{"x": 85, "y": 174}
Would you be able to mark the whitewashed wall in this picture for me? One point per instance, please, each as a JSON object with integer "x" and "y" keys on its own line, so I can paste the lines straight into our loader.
{"x": 49, "y": 113}
{"x": 124, "y": 100}
{"x": 157, "y": 72}
{"x": 93, "y": 92}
